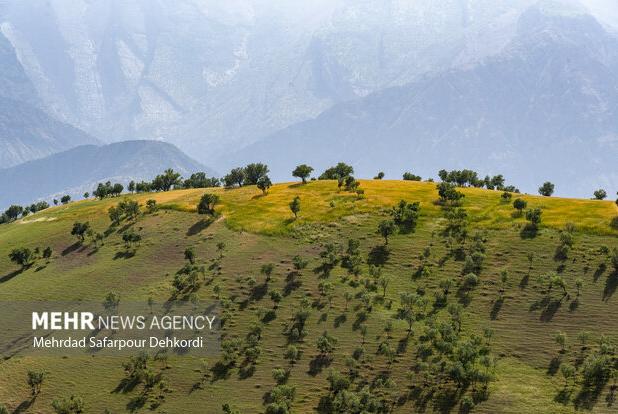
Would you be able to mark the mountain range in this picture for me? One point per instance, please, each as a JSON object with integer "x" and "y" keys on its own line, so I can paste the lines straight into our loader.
{"x": 525, "y": 88}
{"x": 26, "y": 130}
{"x": 80, "y": 169}
{"x": 546, "y": 108}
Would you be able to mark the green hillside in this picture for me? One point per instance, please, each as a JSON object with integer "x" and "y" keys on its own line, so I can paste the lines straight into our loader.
{"x": 485, "y": 344}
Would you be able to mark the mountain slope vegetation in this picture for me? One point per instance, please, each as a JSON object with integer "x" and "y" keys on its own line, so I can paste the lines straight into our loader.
{"x": 388, "y": 317}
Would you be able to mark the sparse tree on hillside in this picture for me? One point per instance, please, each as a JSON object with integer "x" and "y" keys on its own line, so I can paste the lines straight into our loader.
{"x": 55, "y": 202}
{"x": 111, "y": 301}
{"x": 303, "y": 172}
{"x": 190, "y": 255}
{"x": 267, "y": 270}
{"x": 405, "y": 312}
{"x": 295, "y": 206}
{"x": 35, "y": 381}
{"x": 115, "y": 215}
{"x": 386, "y": 228}
{"x": 568, "y": 371}
{"x": 220, "y": 249}
{"x": 264, "y": 183}
{"x": 130, "y": 208}
{"x": 547, "y": 189}
{"x": 520, "y": 205}
{"x": 131, "y": 238}
{"x": 600, "y": 194}
{"x": 338, "y": 172}
{"x": 151, "y": 206}
{"x": 23, "y": 257}
{"x": 71, "y": 405}
{"x": 253, "y": 173}
{"x": 65, "y": 199}
{"x": 326, "y": 344}
{"x": 497, "y": 182}
{"x": 167, "y": 180}
{"x": 13, "y": 212}
{"x": 299, "y": 263}
{"x": 561, "y": 339}
{"x": 534, "y": 216}
{"x": 408, "y": 176}
{"x": 79, "y": 230}
{"x": 131, "y": 186}
{"x": 235, "y": 177}
{"x": 86, "y": 195}
{"x": 379, "y": 176}
{"x": 276, "y": 297}
{"x": 200, "y": 180}
{"x": 405, "y": 215}
{"x": 207, "y": 204}
{"x": 614, "y": 259}
{"x": 448, "y": 193}
{"x": 117, "y": 189}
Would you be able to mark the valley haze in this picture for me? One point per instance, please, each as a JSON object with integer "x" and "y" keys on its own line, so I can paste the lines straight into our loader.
{"x": 524, "y": 87}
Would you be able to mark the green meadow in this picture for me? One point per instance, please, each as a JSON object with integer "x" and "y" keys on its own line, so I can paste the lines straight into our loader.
{"x": 384, "y": 362}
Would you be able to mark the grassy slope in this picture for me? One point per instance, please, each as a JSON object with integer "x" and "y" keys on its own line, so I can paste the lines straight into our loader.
{"x": 257, "y": 229}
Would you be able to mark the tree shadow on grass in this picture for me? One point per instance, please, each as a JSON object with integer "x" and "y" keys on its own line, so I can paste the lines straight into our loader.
{"x": 529, "y": 232}
{"x": 258, "y": 292}
{"x": 24, "y": 406}
{"x": 246, "y": 371}
{"x": 93, "y": 251}
{"x": 126, "y": 254}
{"x": 402, "y": 345}
{"x": 548, "y": 307}
{"x": 599, "y": 271}
{"x": 126, "y": 385}
{"x": 198, "y": 226}
{"x": 340, "y": 320}
{"x": 137, "y": 402}
{"x": 564, "y": 396}
{"x": 495, "y": 309}
{"x": 611, "y": 283}
{"x": 610, "y": 399}
{"x": 71, "y": 248}
{"x": 220, "y": 371}
{"x": 547, "y": 314}
{"x": 523, "y": 283}
{"x": 318, "y": 363}
{"x": 291, "y": 286}
{"x": 378, "y": 255}
{"x": 11, "y": 275}
{"x": 588, "y": 396}
{"x": 554, "y": 366}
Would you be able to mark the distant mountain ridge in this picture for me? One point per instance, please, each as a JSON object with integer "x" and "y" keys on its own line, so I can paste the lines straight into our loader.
{"x": 78, "y": 170}
{"x": 546, "y": 108}
{"x": 26, "y": 131}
